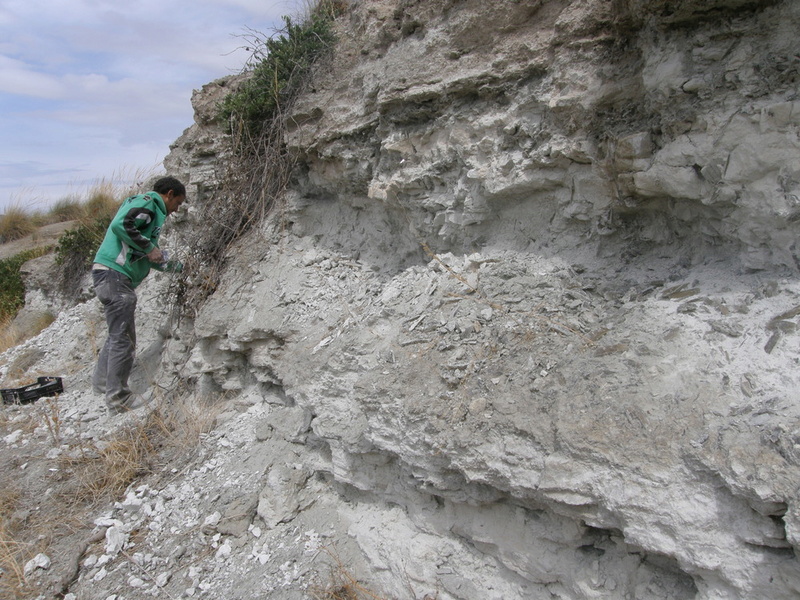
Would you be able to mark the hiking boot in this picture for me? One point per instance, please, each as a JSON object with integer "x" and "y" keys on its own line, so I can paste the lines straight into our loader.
{"x": 130, "y": 404}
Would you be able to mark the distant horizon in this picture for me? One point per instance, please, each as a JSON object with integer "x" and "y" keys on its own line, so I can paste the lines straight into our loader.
{"x": 42, "y": 199}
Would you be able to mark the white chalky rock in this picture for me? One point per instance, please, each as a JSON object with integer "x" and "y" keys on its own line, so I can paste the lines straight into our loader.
{"x": 13, "y": 437}
{"x": 224, "y": 551}
{"x": 107, "y": 522}
{"x": 212, "y": 520}
{"x": 116, "y": 538}
{"x": 40, "y": 561}
{"x": 103, "y": 560}
{"x": 132, "y": 501}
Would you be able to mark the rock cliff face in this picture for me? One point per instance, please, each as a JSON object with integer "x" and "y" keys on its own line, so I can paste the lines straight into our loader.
{"x": 526, "y": 324}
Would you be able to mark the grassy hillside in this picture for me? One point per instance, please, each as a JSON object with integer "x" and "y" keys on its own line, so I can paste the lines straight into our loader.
{"x": 72, "y": 228}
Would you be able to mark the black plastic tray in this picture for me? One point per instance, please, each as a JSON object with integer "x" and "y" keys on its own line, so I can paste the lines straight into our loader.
{"x": 44, "y": 386}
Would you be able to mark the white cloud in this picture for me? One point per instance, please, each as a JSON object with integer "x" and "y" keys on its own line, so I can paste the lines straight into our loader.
{"x": 16, "y": 77}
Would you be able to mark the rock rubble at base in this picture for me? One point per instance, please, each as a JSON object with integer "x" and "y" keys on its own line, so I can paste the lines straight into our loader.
{"x": 537, "y": 404}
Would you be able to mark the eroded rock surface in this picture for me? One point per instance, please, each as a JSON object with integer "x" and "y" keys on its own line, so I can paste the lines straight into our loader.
{"x": 539, "y": 289}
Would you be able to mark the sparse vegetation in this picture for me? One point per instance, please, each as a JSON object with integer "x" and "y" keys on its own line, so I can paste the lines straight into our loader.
{"x": 341, "y": 583}
{"x": 12, "y": 288}
{"x": 259, "y": 169}
{"x": 15, "y": 223}
{"x": 278, "y": 66}
{"x": 103, "y": 201}
{"x": 11, "y": 335}
{"x": 101, "y": 473}
{"x": 104, "y": 471}
{"x": 13, "y": 552}
{"x": 8, "y": 335}
{"x": 187, "y": 419}
{"x": 76, "y": 248}
{"x": 67, "y": 209}
{"x": 85, "y": 474}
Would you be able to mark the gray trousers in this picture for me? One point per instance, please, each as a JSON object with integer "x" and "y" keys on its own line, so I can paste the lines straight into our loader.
{"x": 115, "y": 292}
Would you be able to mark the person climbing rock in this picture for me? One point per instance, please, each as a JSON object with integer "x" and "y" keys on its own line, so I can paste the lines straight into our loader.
{"x": 128, "y": 252}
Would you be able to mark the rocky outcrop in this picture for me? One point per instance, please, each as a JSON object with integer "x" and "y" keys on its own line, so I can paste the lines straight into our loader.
{"x": 536, "y": 286}
{"x": 589, "y": 438}
{"x": 652, "y": 124}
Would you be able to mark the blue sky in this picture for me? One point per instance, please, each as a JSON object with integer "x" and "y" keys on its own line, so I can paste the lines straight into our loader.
{"x": 98, "y": 89}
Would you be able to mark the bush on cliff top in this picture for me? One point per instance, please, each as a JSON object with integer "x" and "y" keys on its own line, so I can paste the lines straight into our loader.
{"x": 278, "y": 67}
{"x": 254, "y": 179}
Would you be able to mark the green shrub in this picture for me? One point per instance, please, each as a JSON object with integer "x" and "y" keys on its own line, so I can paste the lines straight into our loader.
{"x": 76, "y": 249}
{"x": 12, "y": 288}
{"x": 254, "y": 179}
{"x": 278, "y": 68}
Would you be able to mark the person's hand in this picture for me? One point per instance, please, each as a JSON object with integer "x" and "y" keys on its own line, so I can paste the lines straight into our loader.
{"x": 155, "y": 256}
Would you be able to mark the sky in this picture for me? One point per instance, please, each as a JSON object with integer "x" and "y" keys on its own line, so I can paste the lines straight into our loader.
{"x": 97, "y": 90}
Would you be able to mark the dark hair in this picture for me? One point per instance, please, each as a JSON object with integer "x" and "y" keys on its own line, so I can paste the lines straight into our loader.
{"x": 165, "y": 184}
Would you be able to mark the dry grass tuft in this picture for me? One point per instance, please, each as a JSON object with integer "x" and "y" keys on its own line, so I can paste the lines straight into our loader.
{"x": 341, "y": 584}
{"x": 187, "y": 419}
{"x": 50, "y": 414}
{"x": 11, "y": 335}
{"x": 120, "y": 462}
{"x": 19, "y": 371}
{"x": 38, "y": 324}
{"x": 103, "y": 201}
{"x": 15, "y": 224}
{"x": 67, "y": 209}
{"x": 8, "y": 335}
{"x": 9, "y": 496}
{"x": 13, "y": 556}
{"x": 104, "y": 470}
{"x": 13, "y": 553}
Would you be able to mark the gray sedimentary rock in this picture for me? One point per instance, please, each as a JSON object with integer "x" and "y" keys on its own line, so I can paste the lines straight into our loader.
{"x": 524, "y": 287}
